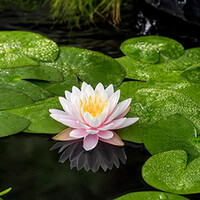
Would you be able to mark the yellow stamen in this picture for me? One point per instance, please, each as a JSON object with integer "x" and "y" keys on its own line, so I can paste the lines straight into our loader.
{"x": 96, "y": 107}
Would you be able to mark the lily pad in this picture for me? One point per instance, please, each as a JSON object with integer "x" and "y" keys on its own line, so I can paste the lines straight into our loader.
{"x": 191, "y": 74}
{"x": 189, "y": 58}
{"x": 150, "y": 195}
{"x": 19, "y": 48}
{"x": 168, "y": 171}
{"x": 89, "y": 66}
{"x": 173, "y": 133}
{"x": 39, "y": 116}
{"x": 150, "y": 102}
{"x": 11, "y": 124}
{"x": 149, "y": 48}
{"x": 145, "y": 71}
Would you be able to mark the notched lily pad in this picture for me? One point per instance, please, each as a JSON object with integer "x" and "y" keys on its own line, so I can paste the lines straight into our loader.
{"x": 168, "y": 171}
{"x": 173, "y": 133}
{"x": 151, "y": 195}
{"x": 19, "y": 48}
{"x": 11, "y": 124}
{"x": 149, "y": 48}
{"x": 38, "y": 114}
{"x": 191, "y": 74}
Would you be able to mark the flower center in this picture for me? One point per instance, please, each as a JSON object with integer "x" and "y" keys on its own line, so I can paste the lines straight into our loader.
{"x": 94, "y": 106}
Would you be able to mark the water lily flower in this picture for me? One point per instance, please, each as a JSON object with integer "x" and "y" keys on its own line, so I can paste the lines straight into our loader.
{"x": 92, "y": 114}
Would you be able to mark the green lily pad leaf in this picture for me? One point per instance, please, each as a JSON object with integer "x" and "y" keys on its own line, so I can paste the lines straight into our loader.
{"x": 5, "y": 191}
{"x": 10, "y": 99}
{"x": 168, "y": 171}
{"x": 11, "y": 124}
{"x": 150, "y": 102}
{"x": 45, "y": 73}
{"x": 144, "y": 71}
{"x": 191, "y": 74}
{"x": 33, "y": 91}
{"x": 189, "y": 58}
{"x": 173, "y": 133}
{"x": 19, "y": 48}
{"x": 150, "y": 195}
{"x": 39, "y": 115}
{"x": 149, "y": 48}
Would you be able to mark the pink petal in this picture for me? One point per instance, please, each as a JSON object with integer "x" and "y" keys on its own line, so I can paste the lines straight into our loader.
{"x": 65, "y": 104}
{"x": 109, "y": 90}
{"x": 90, "y": 142}
{"x": 124, "y": 113}
{"x": 60, "y": 112}
{"x": 105, "y": 127}
{"x": 105, "y": 134}
{"x": 64, "y": 135}
{"x": 66, "y": 121}
{"x": 126, "y": 122}
{"x": 81, "y": 125}
{"x": 95, "y": 122}
{"x": 92, "y": 131}
{"x": 116, "y": 123}
{"x": 78, "y": 133}
{"x": 115, "y": 140}
{"x": 87, "y": 117}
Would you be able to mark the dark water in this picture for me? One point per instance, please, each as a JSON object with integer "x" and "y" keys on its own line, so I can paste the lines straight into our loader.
{"x": 27, "y": 165}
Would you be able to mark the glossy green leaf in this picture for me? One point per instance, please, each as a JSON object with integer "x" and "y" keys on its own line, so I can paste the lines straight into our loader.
{"x": 11, "y": 124}
{"x": 10, "y": 99}
{"x": 149, "y": 48}
{"x": 19, "y": 48}
{"x": 150, "y": 102}
{"x": 173, "y": 133}
{"x": 143, "y": 71}
{"x": 150, "y": 195}
{"x": 189, "y": 58}
{"x": 169, "y": 171}
{"x": 5, "y": 191}
{"x": 191, "y": 74}
{"x": 39, "y": 115}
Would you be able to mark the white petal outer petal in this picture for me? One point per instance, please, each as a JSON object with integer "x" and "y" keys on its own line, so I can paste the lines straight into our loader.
{"x": 99, "y": 88}
{"x": 104, "y": 114}
{"x": 55, "y": 111}
{"x": 87, "y": 117}
{"x": 124, "y": 113}
{"x": 68, "y": 95}
{"x": 109, "y": 90}
{"x": 90, "y": 142}
{"x": 92, "y": 131}
{"x": 105, "y": 134}
{"x": 95, "y": 122}
{"x": 83, "y": 86}
{"x": 127, "y": 122}
{"x": 78, "y": 133}
{"x": 119, "y": 109}
{"x": 81, "y": 125}
{"x": 106, "y": 127}
{"x": 117, "y": 122}
{"x": 76, "y": 91}
{"x": 104, "y": 96}
{"x": 89, "y": 91}
{"x": 67, "y": 122}
{"x": 65, "y": 104}
{"x": 61, "y": 116}
{"x": 113, "y": 100}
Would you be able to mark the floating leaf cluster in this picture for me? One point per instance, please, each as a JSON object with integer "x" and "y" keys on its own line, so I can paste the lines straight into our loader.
{"x": 160, "y": 76}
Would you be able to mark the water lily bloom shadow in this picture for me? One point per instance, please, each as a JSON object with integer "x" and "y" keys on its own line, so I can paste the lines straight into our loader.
{"x": 104, "y": 155}
{"x": 92, "y": 115}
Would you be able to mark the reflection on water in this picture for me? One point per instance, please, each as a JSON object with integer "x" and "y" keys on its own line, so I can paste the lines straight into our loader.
{"x": 28, "y": 165}
{"x": 103, "y": 155}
